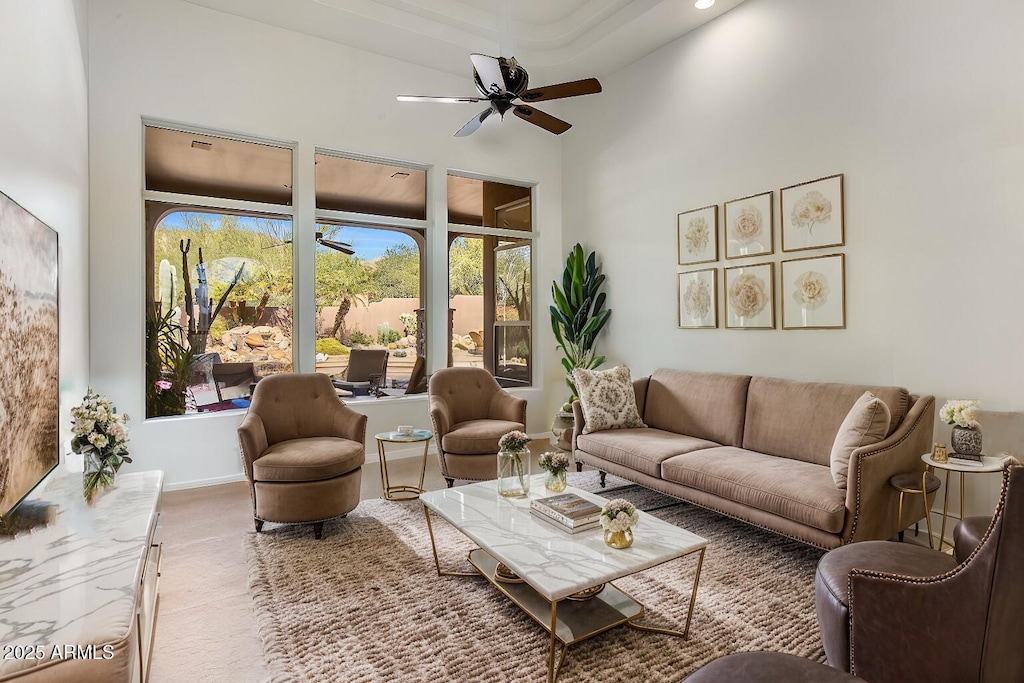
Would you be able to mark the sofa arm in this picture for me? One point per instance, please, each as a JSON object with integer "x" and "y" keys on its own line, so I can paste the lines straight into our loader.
{"x": 349, "y": 424}
{"x": 640, "y": 391}
{"x": 505, "y": 406}
{"x": 252, "y": 440}
{"x": 578, "y": 422}
{"x": 871, "y": 503}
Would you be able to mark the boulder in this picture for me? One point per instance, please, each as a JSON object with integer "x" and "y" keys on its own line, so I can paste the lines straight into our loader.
{"x": 255, "y": 340}
{"x": 263, "y": 329}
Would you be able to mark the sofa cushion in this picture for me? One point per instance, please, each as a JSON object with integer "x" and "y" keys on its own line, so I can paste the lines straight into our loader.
{"x": 800, "y": 491}
{"x": 867, "y": 423}
{"x": 703, "y": 405}
{"x": 312, "y": 459}
{"x": 608, "y": 399}
{"x": 477, "y": 436}
{"x": 801, "y": 419}
{"x": 640, "y": 449}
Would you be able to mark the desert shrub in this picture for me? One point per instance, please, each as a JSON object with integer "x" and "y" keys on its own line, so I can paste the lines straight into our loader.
{"x": 217, "y": 329}
{"x": 331, "y": 347}
{"x": 358, "y": 337}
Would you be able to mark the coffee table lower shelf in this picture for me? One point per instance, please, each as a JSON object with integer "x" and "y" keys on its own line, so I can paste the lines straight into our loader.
{"x": 568, "y": 621}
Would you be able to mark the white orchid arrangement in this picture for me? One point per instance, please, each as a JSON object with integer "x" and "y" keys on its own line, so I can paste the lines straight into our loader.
{"x": 99, "y": 428}
{"x": 554, "y": 462}
{"x": 619, "y": 515}
{"x": 960, "y": 412}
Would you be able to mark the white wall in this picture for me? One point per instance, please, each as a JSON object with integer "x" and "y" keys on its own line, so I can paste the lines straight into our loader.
{"x": 914, "y": 101}
{"x": 44, "y": 152}
{"x": 176, "y": 61}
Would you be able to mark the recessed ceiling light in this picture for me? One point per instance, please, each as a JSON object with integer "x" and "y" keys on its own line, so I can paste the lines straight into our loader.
{"x": 703, "y": 4}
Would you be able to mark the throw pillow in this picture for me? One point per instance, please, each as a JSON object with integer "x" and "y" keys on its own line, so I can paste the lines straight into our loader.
{"x": 867, "y": 423}
{"x": 607, "y": 399}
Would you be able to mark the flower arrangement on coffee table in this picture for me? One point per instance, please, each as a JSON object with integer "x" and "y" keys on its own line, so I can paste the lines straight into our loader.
{"x": 618, "y": 517}
{"x": 101, "y": 435}
{"x": 514, "y": 465}
{"x": 555, "y": 463}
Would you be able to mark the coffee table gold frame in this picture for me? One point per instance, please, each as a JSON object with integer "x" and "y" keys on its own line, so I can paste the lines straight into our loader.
{"x": 395, "y": 493}
{"x": 574, "y": 621}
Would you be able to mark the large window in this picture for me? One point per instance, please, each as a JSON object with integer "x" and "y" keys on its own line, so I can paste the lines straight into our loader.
{"x": 370, "y": 273}
{"x": 489, "y": 278}
{"x": 219, "y": 269}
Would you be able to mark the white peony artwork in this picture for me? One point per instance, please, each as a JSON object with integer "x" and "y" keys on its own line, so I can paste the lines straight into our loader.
{"x": 697, "y": 236}
{"x": 814, "y": 293}
{"x": 750, "y": 297}
{"x": 748, "y": 226}
{"x": 812, "y": 214}
{"x": 698, "y": 299}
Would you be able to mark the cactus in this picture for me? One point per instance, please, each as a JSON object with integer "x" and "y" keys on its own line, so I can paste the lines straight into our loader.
{"x": 168, "y": 286}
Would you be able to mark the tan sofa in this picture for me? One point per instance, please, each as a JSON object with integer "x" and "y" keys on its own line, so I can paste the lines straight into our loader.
{"x": 758, "y": 448}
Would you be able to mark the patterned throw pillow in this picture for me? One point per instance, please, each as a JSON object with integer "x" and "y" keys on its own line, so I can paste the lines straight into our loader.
{"x": 607, "y": 399}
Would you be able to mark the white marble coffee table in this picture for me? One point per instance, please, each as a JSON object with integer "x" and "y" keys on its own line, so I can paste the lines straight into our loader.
{"x": 554, "y": 564}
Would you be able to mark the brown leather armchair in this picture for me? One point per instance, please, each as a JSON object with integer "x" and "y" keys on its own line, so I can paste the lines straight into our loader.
{"x": 470, "y": 412}
{"x": 303, "y": 451}
{"x": 895, "y": 612}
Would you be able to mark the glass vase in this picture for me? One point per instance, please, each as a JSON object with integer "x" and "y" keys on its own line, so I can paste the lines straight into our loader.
{"x": 555, "y": 481}
{"x": 618, "y": 539}
{"x": 97, "y": 476}
{"x": 514, "y": 473}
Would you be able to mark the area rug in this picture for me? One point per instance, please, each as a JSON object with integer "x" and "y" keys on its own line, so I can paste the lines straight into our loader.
{"x": 365, "y": 604}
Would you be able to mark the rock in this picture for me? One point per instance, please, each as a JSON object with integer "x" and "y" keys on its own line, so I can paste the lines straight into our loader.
{"x": 277, "y": 354}
{"x": 263, "y": 329}
{"x": 392, "y": 346}
{"x": 283, "y": 344}
{"x": 241, "y": 329}
{"x": 255, "y": 340}
{"x": 402, "y": 344}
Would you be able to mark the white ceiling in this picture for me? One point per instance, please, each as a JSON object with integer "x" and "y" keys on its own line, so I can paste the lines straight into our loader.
{"x": 555, "y": 39}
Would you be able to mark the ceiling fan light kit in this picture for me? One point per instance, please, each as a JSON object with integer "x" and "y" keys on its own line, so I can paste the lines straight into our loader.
{"x": 501, "y": 82}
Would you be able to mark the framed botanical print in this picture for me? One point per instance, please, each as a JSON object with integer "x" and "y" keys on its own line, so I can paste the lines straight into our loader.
{"x": 748, "y": 226}
{"x": 814, "y": 293}
{"x": 698, "y": 299}
{"x": 812, "y": 214}
{"x": 750, "y": 297}
{"x": 697, "y": 236}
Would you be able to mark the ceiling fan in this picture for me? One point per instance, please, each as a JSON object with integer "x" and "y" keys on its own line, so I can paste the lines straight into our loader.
{"x": 501, "y": 83}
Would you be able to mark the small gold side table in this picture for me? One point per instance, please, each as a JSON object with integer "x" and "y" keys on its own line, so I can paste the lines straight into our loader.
{"x": 914, "y": 483}
{"x": 394, "y": 492}
{"x": 989, "y": 464}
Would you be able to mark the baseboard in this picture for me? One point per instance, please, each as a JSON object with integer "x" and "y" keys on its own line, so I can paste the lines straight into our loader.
{"x": 199, "y": 483}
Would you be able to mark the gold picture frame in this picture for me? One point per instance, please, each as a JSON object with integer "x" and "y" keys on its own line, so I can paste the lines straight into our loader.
{"x": 749, "y": 226}
{"x": 697, "y": 299}
{"x": 818, "y": 203}
{"x": 699, "y": 242}
{"x": 749, "y": 293}
{"x": 814, "y": 292}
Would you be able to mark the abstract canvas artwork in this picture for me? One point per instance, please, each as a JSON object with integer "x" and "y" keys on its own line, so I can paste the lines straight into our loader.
{"x": 812, "y": 214}
{"x": 698, "y": 299}
{"x": 750, "y": 297}
{"x": 814, "y": 293}
{"x": 748, "y": 226}
{"x": 697, "y": 236}
{"x": 29, "y": 388}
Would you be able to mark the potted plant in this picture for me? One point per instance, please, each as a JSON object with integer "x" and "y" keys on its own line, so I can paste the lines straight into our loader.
{"x": 514, "y": 465}
{"x": 555, "y": 464}
{"x": 966, "y": 435}
{"x": 577, "y": 317}
{"x": 101, "y": 436}
{"x": 618, "y": 517}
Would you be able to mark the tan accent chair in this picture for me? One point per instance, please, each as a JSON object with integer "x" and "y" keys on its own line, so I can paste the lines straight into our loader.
{"x": 470, "y": 412}
{"x": 303, "y": 451}
{"x": 884, "y": 607}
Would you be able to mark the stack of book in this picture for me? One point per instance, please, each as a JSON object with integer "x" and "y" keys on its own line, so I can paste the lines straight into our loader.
{"x": 568, "y": 512}
{"x": 964, "y": 459}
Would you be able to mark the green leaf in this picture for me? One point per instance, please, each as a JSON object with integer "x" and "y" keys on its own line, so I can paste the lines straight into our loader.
{"x": 596, "y": 363}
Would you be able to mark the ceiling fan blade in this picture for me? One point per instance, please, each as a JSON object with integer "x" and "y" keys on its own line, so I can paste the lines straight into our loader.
{"x": 588, "y": 86}
{"x": 488, "y": 69}
{"x": 474, "y": 123}
{"x": 539, "y": 118}
{"x": 428, "y": 98}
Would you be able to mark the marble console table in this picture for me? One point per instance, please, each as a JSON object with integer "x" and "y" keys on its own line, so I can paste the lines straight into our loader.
{"x": 78, "y": 597}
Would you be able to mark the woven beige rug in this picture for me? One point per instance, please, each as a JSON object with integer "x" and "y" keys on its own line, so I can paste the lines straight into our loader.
{"x": 365, "y": 604}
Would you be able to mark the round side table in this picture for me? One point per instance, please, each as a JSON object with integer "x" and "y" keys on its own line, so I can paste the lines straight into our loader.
{"x": 990, "y": 463}
{"x": 394, "y": 492}
{"x": 914, "y": 484}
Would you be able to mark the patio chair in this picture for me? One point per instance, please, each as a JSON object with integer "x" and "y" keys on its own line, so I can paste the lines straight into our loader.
{"x": 366, "y": 371}
{"x": 233, "y": 380}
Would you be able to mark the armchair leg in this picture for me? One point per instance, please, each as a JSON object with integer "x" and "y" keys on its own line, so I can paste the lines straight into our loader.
{"x": 450, "y": 482}
{"x": 579, "y": 466}
{"x": 603, "y": 475}
{"x": 259, "y": 524}
{"x": 318, "y": 530}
